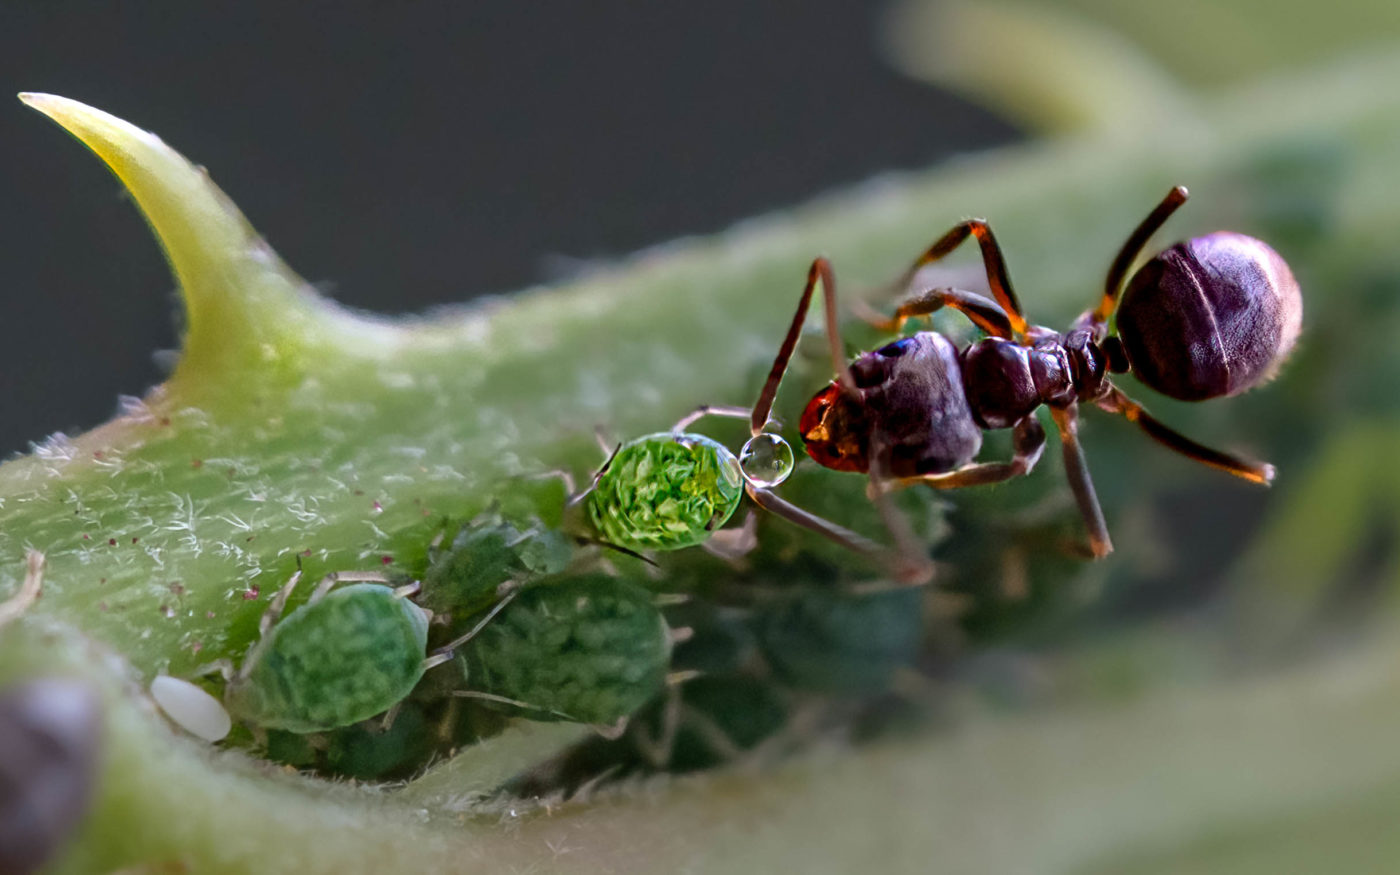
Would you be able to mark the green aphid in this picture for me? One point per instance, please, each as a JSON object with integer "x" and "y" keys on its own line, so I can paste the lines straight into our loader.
{"x": 485, "y": 560}
{"x": 843, "y": 642}
{"x": 587, "y": 649}
{"x": 344, "y": 656}
{"x": 665, "y": 491}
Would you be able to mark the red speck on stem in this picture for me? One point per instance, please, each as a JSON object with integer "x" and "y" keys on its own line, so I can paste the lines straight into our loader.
{"x": 250, "y": 593}
{"x": 385, "y": 560}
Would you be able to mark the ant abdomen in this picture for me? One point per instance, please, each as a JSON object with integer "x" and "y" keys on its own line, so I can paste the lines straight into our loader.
{"x": 1210, "y": 317}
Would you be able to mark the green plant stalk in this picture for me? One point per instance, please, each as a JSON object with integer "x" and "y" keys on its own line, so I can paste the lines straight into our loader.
{"x": 290, "y": 425}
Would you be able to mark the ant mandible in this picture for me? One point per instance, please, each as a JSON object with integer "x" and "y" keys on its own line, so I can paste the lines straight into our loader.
{"x": 1209, "y": 317}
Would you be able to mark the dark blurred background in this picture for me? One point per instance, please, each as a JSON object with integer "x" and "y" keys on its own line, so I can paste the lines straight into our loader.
{"x": 410, "y": 155}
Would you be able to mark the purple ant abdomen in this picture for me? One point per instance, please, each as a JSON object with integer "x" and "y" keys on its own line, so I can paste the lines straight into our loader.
{"x": 1210, "y": 317}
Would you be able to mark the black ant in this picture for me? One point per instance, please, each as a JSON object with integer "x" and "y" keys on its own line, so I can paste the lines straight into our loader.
{"x": 1206, "y": 318}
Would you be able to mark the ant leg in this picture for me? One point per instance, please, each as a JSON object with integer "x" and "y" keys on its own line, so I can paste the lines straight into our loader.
{"x": 911, "y": 570}
{"x": 705, "y": 410}
{"x": 15, "y": 606}
{"x": 1118, "y": 271}
{"x": 1028, "y": 443}
{"x": 820, "y": 270}
{"x": 1077, "y": 470}
{"x": 985, "y": 314}
{"x": 992, "y": 259}
{"x": 1255, "y": 472}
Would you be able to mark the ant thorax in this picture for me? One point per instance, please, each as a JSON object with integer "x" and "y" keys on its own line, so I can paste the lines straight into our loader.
{"x": 913, "y": 414}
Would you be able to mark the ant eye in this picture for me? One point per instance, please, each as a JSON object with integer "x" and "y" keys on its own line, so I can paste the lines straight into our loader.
{"x": 897, "y": 348}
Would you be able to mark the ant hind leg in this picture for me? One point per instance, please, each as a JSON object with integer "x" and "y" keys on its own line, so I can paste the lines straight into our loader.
{"x": 1255, "y": 472}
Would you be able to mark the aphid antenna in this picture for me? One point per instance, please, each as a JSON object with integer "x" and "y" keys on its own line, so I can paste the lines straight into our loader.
{"x": 15, "y": 606}
{"x": 705, "y": 410}
{"x": 669, "y": 599}
{"x": 516, "y": 703}
{"x": 598, "y": 542}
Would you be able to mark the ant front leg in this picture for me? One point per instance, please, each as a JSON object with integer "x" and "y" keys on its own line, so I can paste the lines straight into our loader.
{"x": 1118, "y": 270}
{"x": 1077, "y": 470}
{"x": 908, "y": 565}
{"x": 1255, "y": 472}
{"x": 998, "y": 279}
{"x": 985, "y": 314}
{"x": 1028, "y": 443}
{"x": 820, "y": 271}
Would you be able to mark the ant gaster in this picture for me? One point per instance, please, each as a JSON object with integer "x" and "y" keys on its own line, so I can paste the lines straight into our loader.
{"x": 1207, "y": 318}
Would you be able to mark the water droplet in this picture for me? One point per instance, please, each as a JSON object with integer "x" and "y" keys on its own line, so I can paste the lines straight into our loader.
{"x": 766, "y": 460}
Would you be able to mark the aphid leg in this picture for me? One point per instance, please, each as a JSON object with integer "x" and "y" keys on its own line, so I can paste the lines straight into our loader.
{"x": 448, "y": 648}
{"x": 1028, "y": 443}
{"x": 1255, "y": 472}
{"x": 605, "y": 441}
{"x": 819, "y": 271}
{"x": 705, "y": 410}
{"x": 1118, "y": 270}
{"x": 656, "y": 748}
{"x": 330, "y": 581}
{"x": 223, "y": 667}
{"x": 15, "y": 606}
{"x": 992, "y": 259}
{"x": 516, "y": 703}
{"x": 390, "y": 716}
{"x": 564, "y": 477}
{"x": 611, "y": 731}
{"x": 984, "y": 313}
{"x": 1077, "y": 470}
{"x": 408, "y": 589}
{"x": 278, "y": 604}
{"x": 735, "y": 543}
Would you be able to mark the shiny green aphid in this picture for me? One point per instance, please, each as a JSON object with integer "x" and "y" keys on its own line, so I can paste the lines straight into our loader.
{"x": 344, "y": 656}
{"x": 665, "y": 491}
{"x": 588, "y": 649}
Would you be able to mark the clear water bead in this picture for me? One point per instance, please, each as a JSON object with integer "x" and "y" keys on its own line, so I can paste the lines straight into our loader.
{"x": 766, "y": 460}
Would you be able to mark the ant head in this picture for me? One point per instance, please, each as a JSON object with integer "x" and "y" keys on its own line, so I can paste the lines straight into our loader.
{"x": 835, "y": 431}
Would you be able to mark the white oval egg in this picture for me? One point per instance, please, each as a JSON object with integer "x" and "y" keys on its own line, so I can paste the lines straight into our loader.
{"x": 191, "y": 708}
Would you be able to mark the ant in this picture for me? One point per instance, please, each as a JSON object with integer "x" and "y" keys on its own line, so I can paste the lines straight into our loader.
{"x": 1206, "y": 318}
